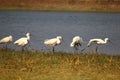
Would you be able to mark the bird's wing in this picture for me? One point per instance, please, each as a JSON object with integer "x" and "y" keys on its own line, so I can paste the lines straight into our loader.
{"x": 90, "y": 42}
{"x": 4, "y": 40}
{"x": 93, "y": 41}
{"x": 19, "y": 40}
{"x": 46, "y": 40}
{"x": 51, "y": 42}
{"x": 24, "y": 42}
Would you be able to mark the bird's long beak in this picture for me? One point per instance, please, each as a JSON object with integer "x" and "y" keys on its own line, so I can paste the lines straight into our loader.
{"x": 30, "y": 35}
{"x": 84, "y": 49}
{"x": 110, "y": 41}
{"x": 63, "y": 41}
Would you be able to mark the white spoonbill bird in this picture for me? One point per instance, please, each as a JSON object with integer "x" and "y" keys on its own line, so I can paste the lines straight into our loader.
{"x": 6, "y": 40}
{"x": 53, "y": 42}
{"x": 98, "y": 42}
{"x": 76, "y": 42}
{"x": 23, "y": 41}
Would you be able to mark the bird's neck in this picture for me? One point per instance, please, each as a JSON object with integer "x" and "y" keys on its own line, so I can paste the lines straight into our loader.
{"x": 58, "y": 41}
{"x": 105, "y": 41}
{"x": 28, "y": 37}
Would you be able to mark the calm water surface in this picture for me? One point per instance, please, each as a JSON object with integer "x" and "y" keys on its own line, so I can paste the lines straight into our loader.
{"x": 43, "y": 25}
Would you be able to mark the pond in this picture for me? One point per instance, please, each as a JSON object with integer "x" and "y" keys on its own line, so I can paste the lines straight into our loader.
{"x": 45, "y": 25}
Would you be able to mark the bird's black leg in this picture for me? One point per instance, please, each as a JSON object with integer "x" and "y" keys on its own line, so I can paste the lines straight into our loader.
{"x": 80, "y": 44}
{"x": 5, "y": 46}
{"x": 22, "y": 48}
{"x": 29, "y": 46}
{"x": 96, "y": 49}
{"x": 53, "y": 49}
{"x": 83, "y": 49}
{"x": 76, "y": 48}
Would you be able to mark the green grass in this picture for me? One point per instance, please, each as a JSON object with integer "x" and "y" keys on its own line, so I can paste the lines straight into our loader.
{"x": 17, "y": 65}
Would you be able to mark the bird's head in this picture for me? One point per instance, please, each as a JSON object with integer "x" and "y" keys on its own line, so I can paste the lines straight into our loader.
{"x": 107, "y": 39}
{"x": 10, "y": 37}
{"x": 28, "y": 34}
{"x": 59, "y": 37}
{"x": 88, "y": 45}
{"x": 71, "y": 45}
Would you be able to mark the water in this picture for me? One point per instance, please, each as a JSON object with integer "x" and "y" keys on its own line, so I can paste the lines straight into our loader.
{"x": 43, "y": 25}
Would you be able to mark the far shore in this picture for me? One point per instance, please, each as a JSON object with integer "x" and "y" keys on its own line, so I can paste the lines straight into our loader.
{"x": 109, "y": 6}
{"x": 64, "y": 9}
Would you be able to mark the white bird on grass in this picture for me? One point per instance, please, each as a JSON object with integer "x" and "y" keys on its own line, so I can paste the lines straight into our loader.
{"x": 53, "y": 42}
{"x": 76, "y": 42}
{"x": 23, "y": 41}
{"x": 98, "y": 42}
{"x": 6, "y": 40}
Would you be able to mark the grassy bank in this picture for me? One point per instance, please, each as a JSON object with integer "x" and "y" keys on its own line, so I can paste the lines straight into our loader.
{"x": 61, "y": 5}
{"x": 16, "y": 65}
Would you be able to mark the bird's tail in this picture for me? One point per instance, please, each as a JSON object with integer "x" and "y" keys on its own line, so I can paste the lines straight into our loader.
{"x": 15, "y": 42}
{"x": 45, "y": 41}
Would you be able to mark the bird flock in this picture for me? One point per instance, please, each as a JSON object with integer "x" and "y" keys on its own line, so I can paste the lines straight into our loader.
{"x": 77, "y": 42}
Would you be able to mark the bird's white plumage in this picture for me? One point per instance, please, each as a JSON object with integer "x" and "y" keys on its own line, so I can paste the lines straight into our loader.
{"x": 23, "y": 41}
{"x": 97, "y": 41}
{"x": 77, "y": 40}
{"x": 54, "y": 41}
{"x": 6, "y": 40}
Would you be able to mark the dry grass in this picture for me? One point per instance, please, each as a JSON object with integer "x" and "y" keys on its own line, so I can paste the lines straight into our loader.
{"x": 16, "y": 65}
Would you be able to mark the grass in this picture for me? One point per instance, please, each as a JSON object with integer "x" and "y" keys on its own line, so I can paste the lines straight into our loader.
{"x": 27, "y": 65}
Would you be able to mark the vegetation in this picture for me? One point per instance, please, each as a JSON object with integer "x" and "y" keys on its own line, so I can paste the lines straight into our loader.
{"x": 61, "y": 5}
{"x": 17, "y": 65}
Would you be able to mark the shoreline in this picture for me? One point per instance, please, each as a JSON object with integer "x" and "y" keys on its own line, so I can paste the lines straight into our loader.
{"x": 81, "y": 11}
{"x": 26, "y": 10}
{"x": 59, "y": 9}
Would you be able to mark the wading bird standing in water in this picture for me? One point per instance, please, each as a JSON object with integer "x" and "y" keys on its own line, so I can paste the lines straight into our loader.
{"x": 76, "y": 42}
{"x": 23, "y": 41}
{"x": 6, "y": 40}
{"x": 53, "y": 42}
{"x": 98, "y": 42}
